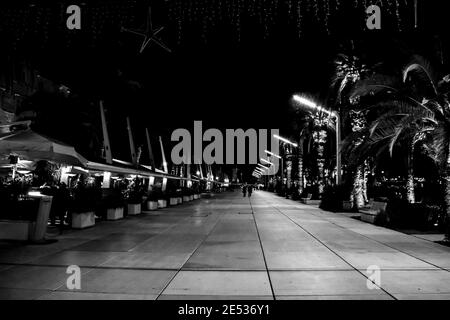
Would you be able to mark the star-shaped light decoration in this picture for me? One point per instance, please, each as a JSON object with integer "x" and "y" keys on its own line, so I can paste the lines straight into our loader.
{"x": 149, "y": 34}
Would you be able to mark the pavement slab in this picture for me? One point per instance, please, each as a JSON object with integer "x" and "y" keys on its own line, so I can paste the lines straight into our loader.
{"x": 229, "y": 247}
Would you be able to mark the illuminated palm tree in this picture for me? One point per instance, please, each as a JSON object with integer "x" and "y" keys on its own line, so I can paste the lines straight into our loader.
{"x": 313, "y": 129}
{"x": 349, "y": 70}
{"x": 414, "y": 108}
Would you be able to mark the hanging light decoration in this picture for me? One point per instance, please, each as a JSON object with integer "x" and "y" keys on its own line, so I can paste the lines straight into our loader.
{"x": 39, "y": 22}
{"x": 267, "y": 12}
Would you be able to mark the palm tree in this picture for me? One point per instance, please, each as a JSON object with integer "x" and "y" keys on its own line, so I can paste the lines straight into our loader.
{"x": 313, "y": 130}
{"x": 414, "y": 108}
{"x": 349, "y": 69}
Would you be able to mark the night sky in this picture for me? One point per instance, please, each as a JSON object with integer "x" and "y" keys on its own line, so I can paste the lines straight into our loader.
{"x": 224, "y": 78}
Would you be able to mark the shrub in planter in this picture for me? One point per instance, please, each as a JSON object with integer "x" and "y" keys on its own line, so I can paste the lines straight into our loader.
{"x": 135, "y": 200}
{"x": 134, "y": 209}
{"x": 152, "y": 201}
{"x": 160, "y": 197}
{"x": 84, "y": 206}
{"x": 162, "y": 203}
{"x": 419, "y": 216}
{"x": 334, "y": 196}
{"x": 188, "y": 194}
{"x": 113, "y": 204}
{"x": 173, "y": 201}
{"x": 173, "y": 197}
{"x": 114, "y": 213}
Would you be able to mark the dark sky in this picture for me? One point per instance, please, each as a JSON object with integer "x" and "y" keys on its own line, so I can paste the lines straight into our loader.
{"x": 226, "y": 81}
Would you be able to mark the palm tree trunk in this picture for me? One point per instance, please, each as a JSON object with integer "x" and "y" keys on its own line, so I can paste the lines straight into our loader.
{"x": 410, "y": 181}
{"x": 301, "y": 175}
{"x": 320, "y": 164}
{"x": 447, "y": 199}
{"x": 364, "y": 181}
{"x": 357, "y": 196}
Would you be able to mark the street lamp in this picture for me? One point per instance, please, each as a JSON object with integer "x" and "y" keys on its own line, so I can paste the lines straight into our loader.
{"x": 335, "y": 115}
{"x": 260, "y": 170}
{"x": 272, "y": 154}
{"x": 285, "y": 140}
{"x": 268, "y": 162}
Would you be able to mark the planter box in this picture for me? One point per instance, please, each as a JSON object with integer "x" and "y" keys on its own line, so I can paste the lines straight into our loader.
{"x": 186, "y": 198}
{"x": 15, "y": 230}
{"x": 173, "y": 201}
{"x": 371, "y": 215}
{"x": 347, "y": 205}
{"x": 312, "y": 202}
{"x": 162, "y": 204}
{"x": 152, "y": 205}
{"x": 114, "y": 214}
{"x": 83, "y": 220}
{"x": 134, "y": 209}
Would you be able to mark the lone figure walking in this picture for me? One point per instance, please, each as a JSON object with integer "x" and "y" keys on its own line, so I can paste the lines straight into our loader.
{"x": 250, "y": 190}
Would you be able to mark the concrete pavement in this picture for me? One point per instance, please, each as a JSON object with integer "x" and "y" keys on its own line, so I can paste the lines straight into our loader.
{"x": 229, "y": 247}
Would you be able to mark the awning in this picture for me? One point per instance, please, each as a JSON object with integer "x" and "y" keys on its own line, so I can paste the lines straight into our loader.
{"x": 33, "y": 146}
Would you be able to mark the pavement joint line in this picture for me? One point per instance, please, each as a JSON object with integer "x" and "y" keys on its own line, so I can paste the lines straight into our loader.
{"x": 355, "y": 269}
{"x": 100, "y": 267}
{"x": 389, "y": 246}
{"x": 262, "y": 250}
{"x": 190, "y": 256}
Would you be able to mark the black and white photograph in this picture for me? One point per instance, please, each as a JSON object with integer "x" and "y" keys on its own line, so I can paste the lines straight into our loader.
{"x": 241, "y": 151}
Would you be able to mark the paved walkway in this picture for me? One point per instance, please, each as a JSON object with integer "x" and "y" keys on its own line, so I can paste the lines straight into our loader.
{"x": 228, "y": 247}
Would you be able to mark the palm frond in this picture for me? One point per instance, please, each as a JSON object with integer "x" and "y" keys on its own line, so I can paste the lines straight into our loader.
{"x": 375, "y": 85}
{"x": 424, "y": 70}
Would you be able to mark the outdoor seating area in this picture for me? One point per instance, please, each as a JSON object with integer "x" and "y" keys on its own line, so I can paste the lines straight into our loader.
{"x": 77, "y": 193}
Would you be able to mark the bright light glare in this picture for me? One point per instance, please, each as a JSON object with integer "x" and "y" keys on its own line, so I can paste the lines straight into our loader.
{"x": 265, "y": 161}
{"x": 305, "y": 102}
{"x": 311, "y": 104}
{"x": 272, "y": 154}
{"x": 284, "y": 140}
{"x": 35, "y": 194}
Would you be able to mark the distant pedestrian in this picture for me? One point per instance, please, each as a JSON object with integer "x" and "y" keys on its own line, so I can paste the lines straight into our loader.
{"x": 244, "y": 190}
{"x": 250, "y": 190}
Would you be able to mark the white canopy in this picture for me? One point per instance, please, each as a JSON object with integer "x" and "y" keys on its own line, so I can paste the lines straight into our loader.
{"x": 33, "y": 146}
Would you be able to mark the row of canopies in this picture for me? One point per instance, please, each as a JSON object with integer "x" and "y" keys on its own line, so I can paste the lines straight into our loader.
{"x": 29, "y": 145}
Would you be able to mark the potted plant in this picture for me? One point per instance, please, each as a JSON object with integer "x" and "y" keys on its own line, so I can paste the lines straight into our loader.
{"x": 187, "y": 194}
{"x": 152, "y": 201}
{"x": 17, "y": 218}
{"x": 83, "y": 207}
{"x": 179, "y": 196}
{"x": 134, "y": 206}
{"x": 160, "y": 197}
{"x": 114, "y": 203}
{"x": 173, "y": 198}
